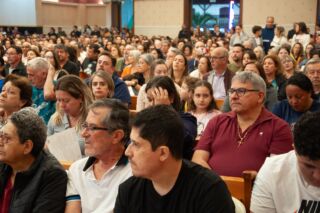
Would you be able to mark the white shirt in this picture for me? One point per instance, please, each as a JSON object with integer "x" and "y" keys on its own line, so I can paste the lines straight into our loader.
{"x": 95, "y": 195}
{"x": 219, "y": 91}
{"x": 304, "y": 39}
{"x": 279, "y": 187}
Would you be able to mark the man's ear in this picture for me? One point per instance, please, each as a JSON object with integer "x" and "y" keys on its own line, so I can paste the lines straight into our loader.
{"x": 164, "y": 153}
{"x": 28, "y": 146}
{"x": 118, "y": 136}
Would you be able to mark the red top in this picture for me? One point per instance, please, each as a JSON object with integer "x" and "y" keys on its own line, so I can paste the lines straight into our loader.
{"x": 267, "y": 135}
{"x": 6, "y": 198}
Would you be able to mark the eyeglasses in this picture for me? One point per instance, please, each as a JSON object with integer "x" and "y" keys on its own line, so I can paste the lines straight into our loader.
{"x": 241, "y": 91}
{"x": 93, "y": 128}
{"x": 4, "y": 138}
{"x": 217, "y": 58}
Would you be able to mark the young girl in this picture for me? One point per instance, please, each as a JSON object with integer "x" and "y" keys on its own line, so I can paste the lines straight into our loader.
{"x": 186, "y": 91}
{"x": 203, "y": 105}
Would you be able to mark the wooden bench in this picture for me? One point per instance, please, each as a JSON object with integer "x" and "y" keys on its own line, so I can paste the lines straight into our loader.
{"x": 133, "y": 104}
{"x": 65, "y": 164}
{"x": 241, "y": 187}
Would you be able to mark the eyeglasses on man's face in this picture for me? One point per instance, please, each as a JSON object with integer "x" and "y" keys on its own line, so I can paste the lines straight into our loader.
{"x": 241, "y": 91}
{"x": 91, "y": 128}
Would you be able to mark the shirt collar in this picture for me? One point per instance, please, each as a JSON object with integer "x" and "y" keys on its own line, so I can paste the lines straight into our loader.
{"x": 122, "y": 161}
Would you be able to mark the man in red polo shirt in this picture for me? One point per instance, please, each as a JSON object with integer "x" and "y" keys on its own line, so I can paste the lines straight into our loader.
{"x": 242, "y": 139}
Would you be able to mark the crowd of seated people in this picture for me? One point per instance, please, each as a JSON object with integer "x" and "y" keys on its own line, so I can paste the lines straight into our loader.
{"x": 265, "y": 82}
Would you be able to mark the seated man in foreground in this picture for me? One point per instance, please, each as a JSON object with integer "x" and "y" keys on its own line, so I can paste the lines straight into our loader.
{"x": 242, "y": 139}
{"x": 291, "y": 182}
{"x": 31, "y": 180}
{"x": 164, "y": 182}
{"x": 93, "y": 181}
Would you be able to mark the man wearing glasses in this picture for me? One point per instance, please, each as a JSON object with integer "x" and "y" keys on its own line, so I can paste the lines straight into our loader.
{"x": 220, "y": 77}
{"x": 31, "y": 180}
{"x": 94, "y": 180}
{"x": 243, "y": 138}
{"x": 14, "y": 64}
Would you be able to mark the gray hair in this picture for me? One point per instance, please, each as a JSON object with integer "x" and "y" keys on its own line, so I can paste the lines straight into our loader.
{"x": 135, "y": 54}
{"x": 311, "y": 61}
{"x": 30, "y": 127}
{"x": 148, "y": 58}
{"x": 253, "y": 78}
{"x": 117, "y": 118}
{"x": 38, "y": 63}
{"x": 175, "y": 50}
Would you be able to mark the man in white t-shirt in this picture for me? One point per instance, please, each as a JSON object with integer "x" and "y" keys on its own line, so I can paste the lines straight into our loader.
{"x": 94, "y": 181}
{"x": 291, "y": 182}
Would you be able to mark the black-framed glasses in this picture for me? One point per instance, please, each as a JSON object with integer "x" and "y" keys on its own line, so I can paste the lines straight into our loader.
{"x": 93, "y": 128}
{"x": 241, "y": 91}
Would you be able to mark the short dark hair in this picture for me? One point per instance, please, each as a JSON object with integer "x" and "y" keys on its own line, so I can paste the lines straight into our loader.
{"x": 61, "y": 47}
{"x": 95, "y": 48}
{"x": 24, "y": 85}
{"x": 303, "y": 82}
{"x": 307, "y": 136}
{"x": 117, "y": 118}
{"x": 314, "y": 51}
{"x": 30, "y": 127}
{"x": 239, "y": 45}
{"x": 165, "y": 82}
{"x": 161, "y": 125}
{"x": 256, "y": 29}
{"x": 113, "y": 59}
{"x": 18, "y": 49}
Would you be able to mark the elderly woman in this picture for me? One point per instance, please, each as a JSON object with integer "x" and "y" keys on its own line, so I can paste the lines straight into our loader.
{"x": 31, "y": 180}
{"x": 16, "y": 94}
{"x": 137, "y": 79}
{"x": 132, "y": 67}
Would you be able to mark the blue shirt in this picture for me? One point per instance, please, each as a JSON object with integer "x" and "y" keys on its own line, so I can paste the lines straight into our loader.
{"x": 44, "y": 108}
{"x": 121, "y": 91}
{"x": 283, "y": 110}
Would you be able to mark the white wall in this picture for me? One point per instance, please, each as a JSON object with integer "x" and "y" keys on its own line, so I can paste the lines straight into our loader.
{"x": 18, "y": 13}
{"x": 286, "y": 12}
{"x": 158, "y": 17}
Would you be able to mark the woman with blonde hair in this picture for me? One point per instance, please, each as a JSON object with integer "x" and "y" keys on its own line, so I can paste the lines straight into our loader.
{"x": 101, "y": 85}
{"x": 279, "y": 38}
{"x": 73, "y": 99}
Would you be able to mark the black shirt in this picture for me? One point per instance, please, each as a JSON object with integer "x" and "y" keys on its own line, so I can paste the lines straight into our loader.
{"x": 196, "y": 190}
{"x": 71, "y": 68}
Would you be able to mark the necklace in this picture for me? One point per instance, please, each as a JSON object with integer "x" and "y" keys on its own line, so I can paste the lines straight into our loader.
{"x": 241, "y": 138}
